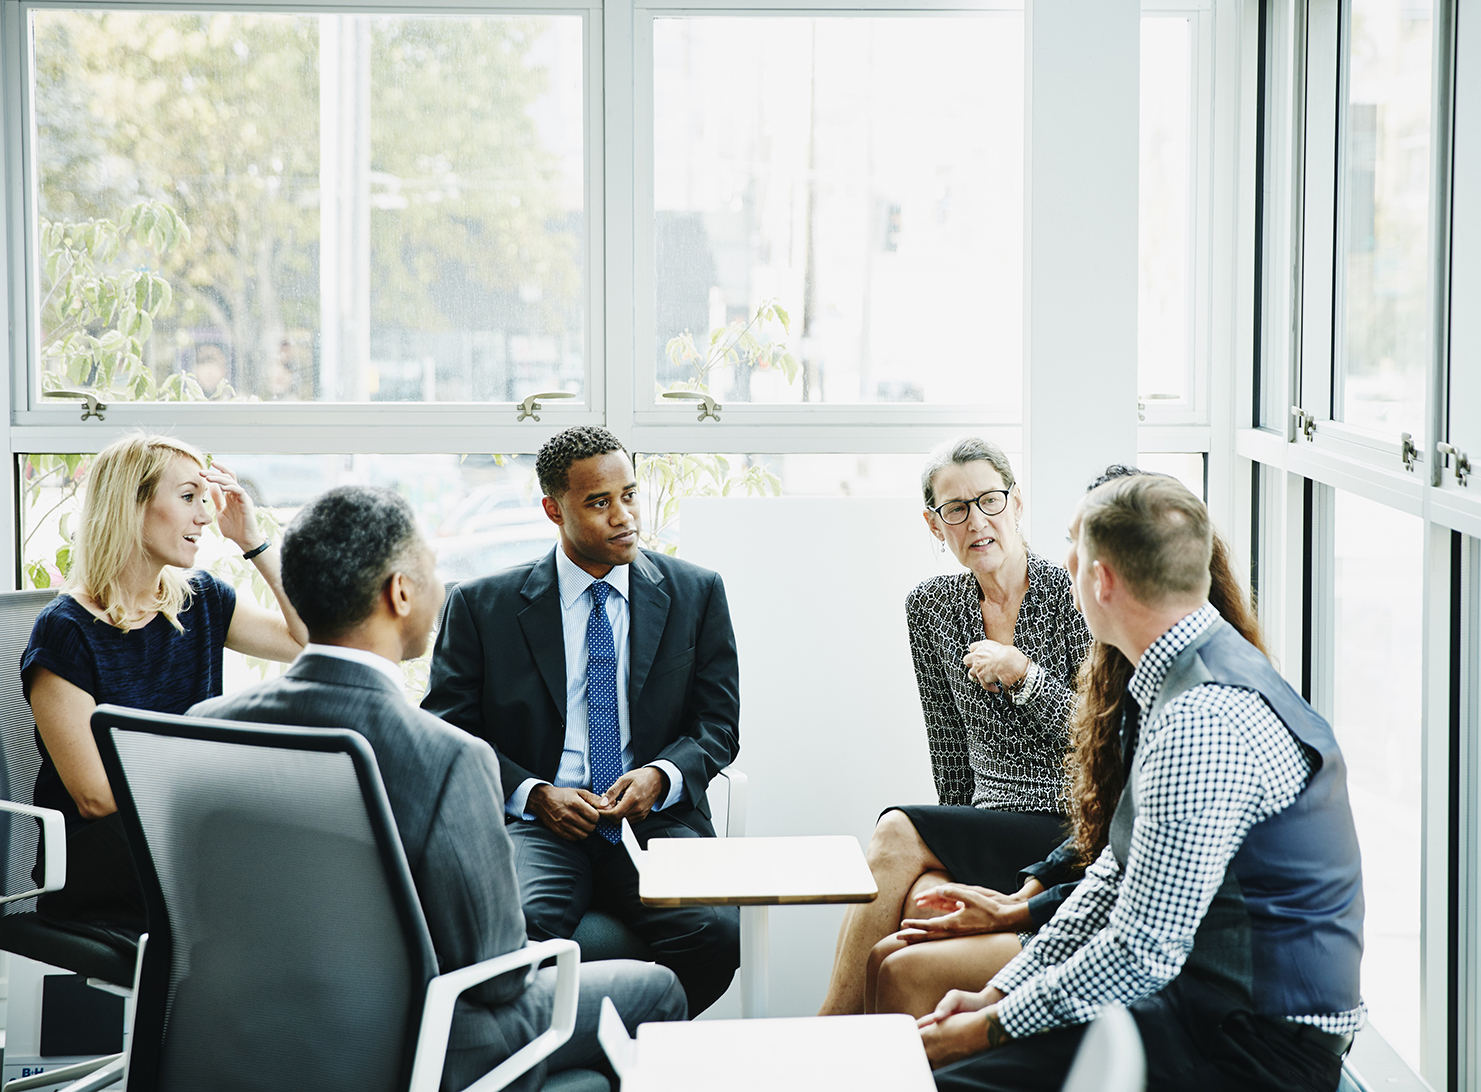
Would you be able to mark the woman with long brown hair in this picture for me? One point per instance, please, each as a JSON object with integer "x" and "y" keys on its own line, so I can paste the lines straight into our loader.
{"x": 977, "y": 930}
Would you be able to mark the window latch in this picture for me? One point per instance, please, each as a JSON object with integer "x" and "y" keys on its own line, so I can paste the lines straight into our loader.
{"x": 91, "y": 407}
{"x": 1462, "y": 464}
{"x": 1305, "y": 422}
{"x": 708, "y": 406}
{"x": 1408, "y": 452}
{"x": 528, "y": 407}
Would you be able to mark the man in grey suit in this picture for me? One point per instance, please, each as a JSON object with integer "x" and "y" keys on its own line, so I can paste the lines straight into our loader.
{"x": 362, "y": 579}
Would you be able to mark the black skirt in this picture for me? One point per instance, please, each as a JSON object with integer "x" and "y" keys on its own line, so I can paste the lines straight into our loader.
{"x": 983, "y": 847}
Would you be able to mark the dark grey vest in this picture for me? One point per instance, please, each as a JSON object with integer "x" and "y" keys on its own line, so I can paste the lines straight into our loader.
{"x": 1285, "y": 929}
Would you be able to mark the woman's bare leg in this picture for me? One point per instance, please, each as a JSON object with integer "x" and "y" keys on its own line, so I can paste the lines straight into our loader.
{"x": 926, "y": 881}
{"x": 912, "y": 978}
{"x": 898, "y": 858}
{"x": 877, "y": 955}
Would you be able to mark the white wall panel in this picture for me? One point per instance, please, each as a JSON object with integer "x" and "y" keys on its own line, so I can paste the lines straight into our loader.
{"x": 831, "y": 726}
{"x": 1080, "y": 238}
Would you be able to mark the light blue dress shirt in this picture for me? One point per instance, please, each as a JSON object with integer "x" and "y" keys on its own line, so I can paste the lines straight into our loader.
{"x": 574, "y": 771}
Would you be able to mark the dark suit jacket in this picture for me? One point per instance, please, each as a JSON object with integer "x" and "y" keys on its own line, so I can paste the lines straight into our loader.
{"x": 445, "y": 794}
{"x": 500, "y": 672}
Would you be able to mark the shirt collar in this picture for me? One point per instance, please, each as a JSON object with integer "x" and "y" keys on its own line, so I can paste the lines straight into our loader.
{"x": 1147, "y": 679}
{"x": 360, "y": 656}
{"x": 573, "y": 580}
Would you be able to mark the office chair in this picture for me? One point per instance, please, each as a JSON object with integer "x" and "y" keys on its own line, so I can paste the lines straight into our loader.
{"x": 1110, "y": 1058}
{"x": 291, "y": 950}
{"x": 104, "y": 959}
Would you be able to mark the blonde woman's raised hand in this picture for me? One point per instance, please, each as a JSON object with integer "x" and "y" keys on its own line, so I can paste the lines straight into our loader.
{"x": 235, "y": 512}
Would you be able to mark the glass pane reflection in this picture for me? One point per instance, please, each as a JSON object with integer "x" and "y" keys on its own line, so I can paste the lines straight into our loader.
{"x": 865, "y": 172}
{"x": 1384, "y": 222}
{"x": 1378, "y": 638}
{"x": 332, "y": 208}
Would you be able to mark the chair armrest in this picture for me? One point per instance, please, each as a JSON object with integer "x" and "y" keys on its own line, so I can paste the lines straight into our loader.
{"x": 444, "y": 990}
{"x": 735, "y": 817}
{"x": 53, "y": 838}
{"x": 620, "y": 1047}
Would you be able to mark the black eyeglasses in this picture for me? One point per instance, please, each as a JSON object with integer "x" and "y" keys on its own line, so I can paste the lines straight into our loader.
{"x": 989, "y": 503}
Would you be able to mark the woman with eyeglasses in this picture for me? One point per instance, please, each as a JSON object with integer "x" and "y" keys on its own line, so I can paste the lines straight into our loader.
{"x": 976, "y": 932}
{"x": 996, "y": 652}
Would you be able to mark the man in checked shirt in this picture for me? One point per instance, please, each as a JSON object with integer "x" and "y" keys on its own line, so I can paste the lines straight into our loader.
{"x": 1227, "y": 911}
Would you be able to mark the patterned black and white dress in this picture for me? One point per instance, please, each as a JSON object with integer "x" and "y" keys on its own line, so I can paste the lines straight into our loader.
{"x": 998, "y": 759}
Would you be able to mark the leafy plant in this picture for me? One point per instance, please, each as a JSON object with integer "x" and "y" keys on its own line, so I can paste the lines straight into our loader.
{"x": 95, "y": 320}
{"x": 65, "y": 473}
{"x": 95, "y": 317}
{"x": 668, "y": 479}
{"x": 738, "y": 344}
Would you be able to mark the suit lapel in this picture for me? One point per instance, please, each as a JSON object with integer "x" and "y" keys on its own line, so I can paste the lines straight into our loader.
{"x": 541, "y": 622}
{"x": 650, "y": 612}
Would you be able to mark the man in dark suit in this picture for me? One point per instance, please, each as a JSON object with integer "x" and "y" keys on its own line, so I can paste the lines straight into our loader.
{"x": 623, "y": 711}
{"x": 362, "y": 579}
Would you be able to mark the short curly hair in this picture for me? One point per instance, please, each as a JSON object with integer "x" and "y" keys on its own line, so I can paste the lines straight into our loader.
{"x": 553, "y": 463}
{"x": 340, "y": 550}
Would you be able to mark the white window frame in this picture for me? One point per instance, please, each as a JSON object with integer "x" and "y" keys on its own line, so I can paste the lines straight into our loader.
{"x": 744, "y": 416}
{"x": 618, "y": 153}
{"x": 1299, "y": 249}
{"x": 1192, "y": 408}
{"x": 318, "y": 426}
{"x": 1315, "y": 155}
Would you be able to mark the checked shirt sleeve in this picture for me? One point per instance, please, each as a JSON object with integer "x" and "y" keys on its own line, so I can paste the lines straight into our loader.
{"x": 1217, "y": 762}
{"x": 1082, "y": 915}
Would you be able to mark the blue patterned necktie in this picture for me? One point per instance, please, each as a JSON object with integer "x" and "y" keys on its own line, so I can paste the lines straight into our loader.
{"x": 605, "y": 741}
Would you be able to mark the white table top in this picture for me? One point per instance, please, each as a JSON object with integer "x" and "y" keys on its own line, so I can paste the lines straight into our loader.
{"x": 755, "y": 871}
{"x": 806, "y": 1054}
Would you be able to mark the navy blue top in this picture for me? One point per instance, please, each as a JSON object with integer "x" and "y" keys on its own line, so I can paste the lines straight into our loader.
{"x": 157, "y": 668}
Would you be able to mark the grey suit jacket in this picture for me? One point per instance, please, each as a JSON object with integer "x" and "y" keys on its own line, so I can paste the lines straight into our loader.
{"x": 444, "y": 789}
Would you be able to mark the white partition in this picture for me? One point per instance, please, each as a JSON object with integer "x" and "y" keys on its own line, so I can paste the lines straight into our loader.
{"x": 831, "y": 727}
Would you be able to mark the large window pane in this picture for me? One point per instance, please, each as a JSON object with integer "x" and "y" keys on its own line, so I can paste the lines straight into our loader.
{"x": 480, "y": 513}
{"x": 1189, "y": 467}
{"x": 1378, "y": 639}
{"x": 1165, "y": 226}
{"x": 310, "y": 207}
{"x": 665, "y": 480}
{"x": 865, "y": 172}
{"x": 1384, "y": 217}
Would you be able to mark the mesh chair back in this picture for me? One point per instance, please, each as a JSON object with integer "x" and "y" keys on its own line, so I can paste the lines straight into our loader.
{"x": 19, "y": 757}
{"x": 296, "y": 954}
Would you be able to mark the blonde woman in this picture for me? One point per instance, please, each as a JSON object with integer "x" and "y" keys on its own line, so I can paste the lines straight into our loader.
{"x": 135, "y": 628}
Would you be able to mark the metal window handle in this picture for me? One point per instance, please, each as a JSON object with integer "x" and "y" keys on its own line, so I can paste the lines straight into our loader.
{"x": 528, "y": 407}
{"x": 708, "y": 406}
{"x": 1462, "y": 463}
{"x": 91, "y": 406}
{"x": 1408, "y": 452}
{"x": 1305, "y": 422}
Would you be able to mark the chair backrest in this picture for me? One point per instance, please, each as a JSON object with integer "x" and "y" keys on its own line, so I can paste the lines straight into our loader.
{"x": 287, "y": 946}
{"x": 19, "y": 757}
{"x": 1110, "y": 1058}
